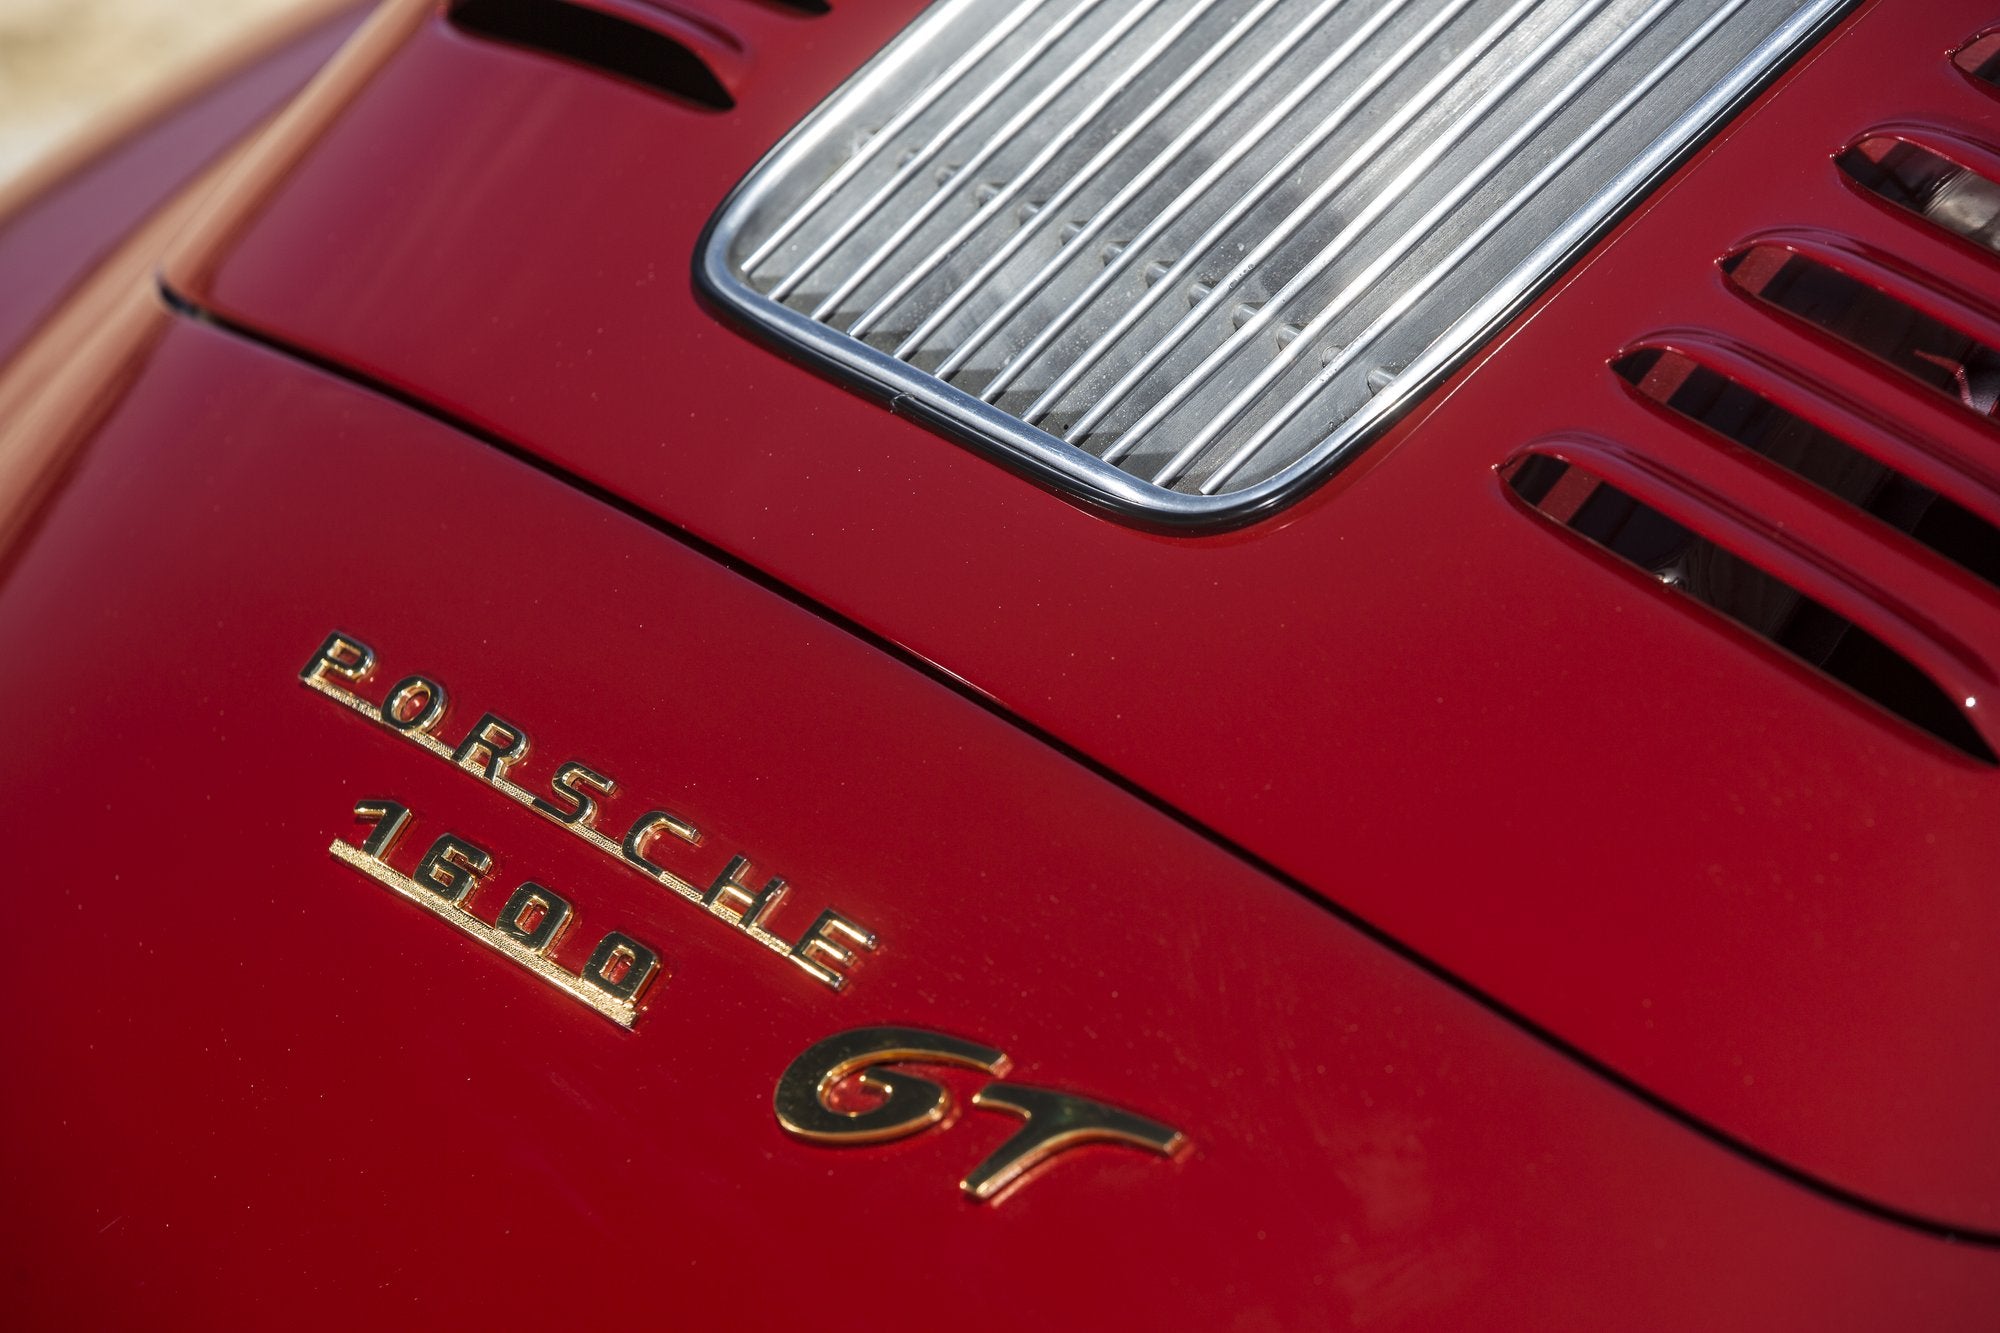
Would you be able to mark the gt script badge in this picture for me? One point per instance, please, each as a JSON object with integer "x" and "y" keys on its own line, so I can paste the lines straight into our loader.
{"x": 415, "y": 708}
{"x": 908, "y": 1104}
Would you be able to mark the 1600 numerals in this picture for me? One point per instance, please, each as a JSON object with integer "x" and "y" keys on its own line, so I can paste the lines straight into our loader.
{"x": 529, "y": 927}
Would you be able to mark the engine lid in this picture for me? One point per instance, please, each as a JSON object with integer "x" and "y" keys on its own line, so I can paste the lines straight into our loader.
{"x": 1702, "y": 855}
{"x": 290, "y": 1044}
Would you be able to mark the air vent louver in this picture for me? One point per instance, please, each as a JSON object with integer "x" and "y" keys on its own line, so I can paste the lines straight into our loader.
{"x": 1928, "y": 335}
{"x": 1863, "y": 362}
{"x": 1957, "y": 198}
{"x": 1185, "y": 255}
{"x": 1718, "y": 578}
{"x": 1739, "y": 413}
{"x": 1980, "y": 58}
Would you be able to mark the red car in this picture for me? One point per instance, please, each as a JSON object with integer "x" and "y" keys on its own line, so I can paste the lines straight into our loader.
{"x": 1229, "y": 664}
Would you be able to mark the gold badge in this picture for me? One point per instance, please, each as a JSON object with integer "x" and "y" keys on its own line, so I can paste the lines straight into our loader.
{"x": 1055, "y": 1121}
{"x": 530, "y": 925}
{"x": 415, "y": 708}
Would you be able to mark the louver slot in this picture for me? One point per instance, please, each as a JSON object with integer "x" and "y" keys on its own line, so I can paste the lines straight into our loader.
{"x": 1890, "y": 316}
{"x": 602, "y": 39}
{"x": 1187, "y": 254}
{"x": 1706, "y": 398}
{"x": 1980, "y": 58}
{"x": 1612, "y": 520}
{"x": 1956, "y": 197}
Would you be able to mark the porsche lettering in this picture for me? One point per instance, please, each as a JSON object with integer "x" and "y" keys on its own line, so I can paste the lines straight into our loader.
{"x": 416, "y": 707}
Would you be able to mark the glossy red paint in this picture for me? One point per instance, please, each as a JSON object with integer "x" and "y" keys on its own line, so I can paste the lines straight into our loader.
{"x": 1729, "y": 880}
{"x": 249, "y": 1085}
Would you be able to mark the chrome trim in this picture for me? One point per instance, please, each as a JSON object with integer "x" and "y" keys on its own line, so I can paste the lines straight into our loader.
{"x": 916, "y": 393}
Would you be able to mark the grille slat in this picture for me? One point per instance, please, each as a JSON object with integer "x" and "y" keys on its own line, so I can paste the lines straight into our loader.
{"x": 1188, "y": 254}
{"x": 1468, "y": 121}
{"x": 913, "y": 166}
{"x": 1252, "y": 81}
{"x": 1114, "y": 265}
{"x": 1293, "y": 226}
{"x": 1008, "y": 136}
{"x": 915, "y": 107}
{"x": 1105, "y": 157}
{"x": 1230, "y": 467}
{"x": 1275, "y": 176}
{"x": 1161, "y": 47}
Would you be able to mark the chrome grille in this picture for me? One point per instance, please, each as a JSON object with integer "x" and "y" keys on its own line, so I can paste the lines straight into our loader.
{"x": 1186, "y": 255}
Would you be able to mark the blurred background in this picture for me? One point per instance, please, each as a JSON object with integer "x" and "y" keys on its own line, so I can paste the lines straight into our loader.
{"x": 67, "y": 64}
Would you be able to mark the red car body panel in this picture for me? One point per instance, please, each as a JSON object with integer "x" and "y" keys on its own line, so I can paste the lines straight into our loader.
{"x": 1517, "y": 945}
{"x": 1728, "y": 880}
{"x": 262, "y": 1085}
